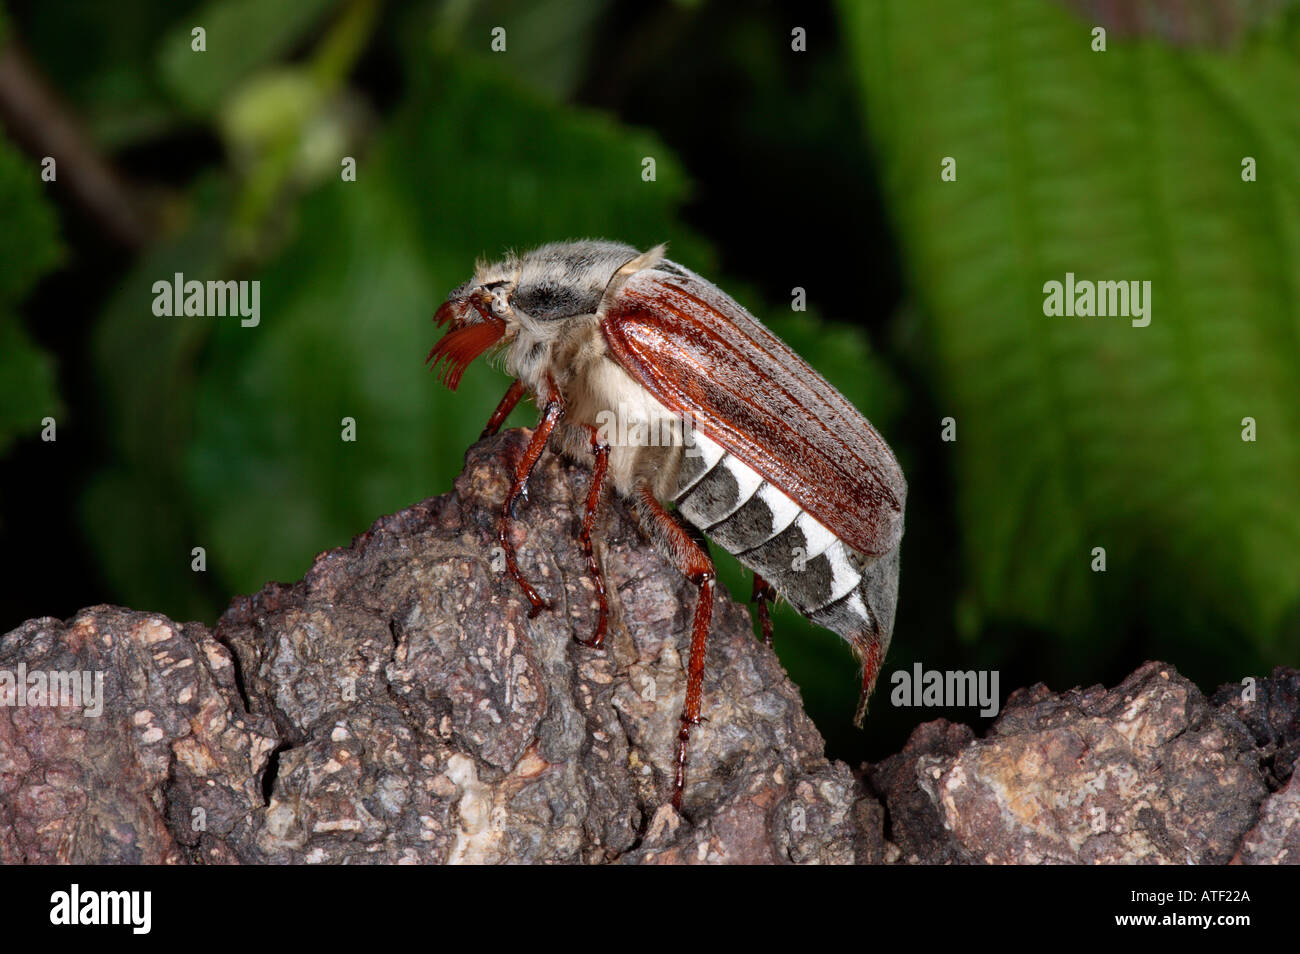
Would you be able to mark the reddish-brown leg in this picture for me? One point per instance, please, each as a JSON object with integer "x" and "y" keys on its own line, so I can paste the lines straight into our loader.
{"x": 695, "y": 565}
{"x": 601, "y": 452}
{"x": 764, "y": 594}
{"x": 551, "y": 414}
{"x": 868, "y": 647}
{"x": 503, "y": 410}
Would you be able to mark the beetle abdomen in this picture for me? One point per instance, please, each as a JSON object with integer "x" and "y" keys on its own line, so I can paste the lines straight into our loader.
{"x": 824, "y": 579}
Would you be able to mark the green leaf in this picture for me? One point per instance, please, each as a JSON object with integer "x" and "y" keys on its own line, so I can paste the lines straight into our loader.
{"x": 547, "y": 41}
{"x": 27, "y": 385}
{"x": 1075, "y": 433}
{"x": 29, "y": 244}
{"x": 28, "y": 249}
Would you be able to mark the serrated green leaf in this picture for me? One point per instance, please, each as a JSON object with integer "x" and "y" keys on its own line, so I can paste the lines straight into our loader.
{"x": 1075, "y": 433}
{"x": 489, "y": 165}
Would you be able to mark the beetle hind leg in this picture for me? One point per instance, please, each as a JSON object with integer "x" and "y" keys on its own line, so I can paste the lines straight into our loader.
{"x": 764, "y": 596}
{"x": 694, "y": 563}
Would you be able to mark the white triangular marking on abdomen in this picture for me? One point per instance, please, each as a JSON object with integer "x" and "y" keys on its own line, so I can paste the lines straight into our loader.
{"x": 859, "y": 608}
{"x": 747, "y": 482}
{"x": 784, "y": 510}
{"x": 817, "y": 536}
{"x": 709, "y": 452}
{"x": 845, "y": 578}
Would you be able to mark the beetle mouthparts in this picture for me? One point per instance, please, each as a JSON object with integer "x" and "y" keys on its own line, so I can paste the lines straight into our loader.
{"x": 462, "y": 343}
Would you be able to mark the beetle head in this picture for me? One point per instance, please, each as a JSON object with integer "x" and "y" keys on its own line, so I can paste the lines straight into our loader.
{"x": 532, "y": 294}
{"x": 477, "y": 316}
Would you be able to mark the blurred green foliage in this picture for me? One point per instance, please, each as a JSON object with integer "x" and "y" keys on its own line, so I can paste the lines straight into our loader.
{"x": 29, "y": 248}
{"x": 1072, "y": 433}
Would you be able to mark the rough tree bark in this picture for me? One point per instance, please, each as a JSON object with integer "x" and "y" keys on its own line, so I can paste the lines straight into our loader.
{"x": 398, "y": 705}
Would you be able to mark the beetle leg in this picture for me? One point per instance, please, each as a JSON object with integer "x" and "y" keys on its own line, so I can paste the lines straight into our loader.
{"x": 693, "y": 563}
{"x": 601, "y": 452}
{"x": 551, "y": 414}
{"x": 868, "y": 648}
{"x": 763, "y": 594}
{"x": 503, "y": 410}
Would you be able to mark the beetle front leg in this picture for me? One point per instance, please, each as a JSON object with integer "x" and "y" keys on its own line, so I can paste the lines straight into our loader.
{"x": 600, "y": 450}
{"x": 552, "y": 412}
{"x": 512, "y": 396}
{"x": 694, "y": 564}
{"x": 763, "y": 595}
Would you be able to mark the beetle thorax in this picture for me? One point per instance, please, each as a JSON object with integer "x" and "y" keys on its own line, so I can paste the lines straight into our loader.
{"x": 598, "y": 396}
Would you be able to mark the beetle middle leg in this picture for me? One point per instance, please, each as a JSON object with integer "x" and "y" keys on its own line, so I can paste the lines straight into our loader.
{"x": 552, "y": 412}
{"x": 763, "y": 596}
{"x": 694, "y": 564}
{"x": 599, "y": 450}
